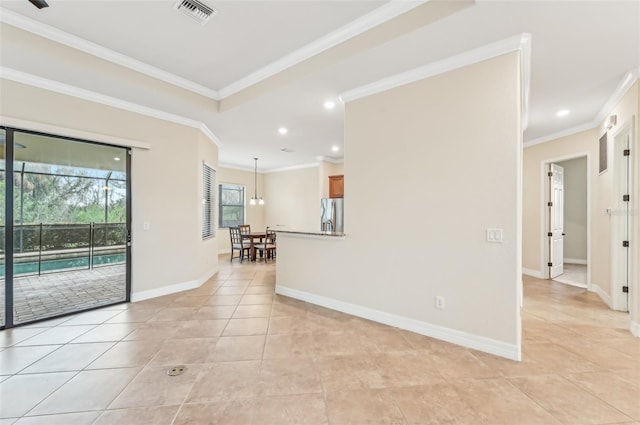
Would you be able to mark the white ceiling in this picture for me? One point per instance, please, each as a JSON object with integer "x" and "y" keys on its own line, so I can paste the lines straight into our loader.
{"x": 581, "y": 51}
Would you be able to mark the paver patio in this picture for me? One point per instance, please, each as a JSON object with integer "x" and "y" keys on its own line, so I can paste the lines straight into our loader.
{"x": 53, "y": 294}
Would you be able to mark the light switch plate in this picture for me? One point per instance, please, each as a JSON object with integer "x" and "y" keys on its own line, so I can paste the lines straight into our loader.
{"x": 494, "y": 235}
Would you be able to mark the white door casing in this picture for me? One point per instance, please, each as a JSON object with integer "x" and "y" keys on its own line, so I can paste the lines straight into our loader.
{"x": 556, "y": 220}
{"x": 621, "y": 221}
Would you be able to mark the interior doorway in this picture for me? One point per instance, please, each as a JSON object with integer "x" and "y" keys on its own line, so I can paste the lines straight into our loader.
{"x": 566, "y": 242}
{"x": 65, "y": 214}
{"x": 574, "y": 255}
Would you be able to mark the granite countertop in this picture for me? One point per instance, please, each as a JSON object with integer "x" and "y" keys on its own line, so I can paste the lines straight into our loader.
{"x": 311, "y": 233}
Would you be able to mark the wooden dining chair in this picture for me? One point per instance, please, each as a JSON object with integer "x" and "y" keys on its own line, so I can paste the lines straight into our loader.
{"x": 267, "y": 246}
{"x": 271, "y": 237}
{"x": 245, "y": 229}
{"x": 239, "y": 243}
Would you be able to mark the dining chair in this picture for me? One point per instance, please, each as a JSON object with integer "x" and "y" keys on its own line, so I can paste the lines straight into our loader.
{"x": 267, "y": 246}
{"x": 239, "y": 243}
{"x": 245, "y": 229}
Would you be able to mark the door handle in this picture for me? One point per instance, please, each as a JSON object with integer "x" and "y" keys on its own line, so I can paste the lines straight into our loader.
{"x": 563, "y": 234}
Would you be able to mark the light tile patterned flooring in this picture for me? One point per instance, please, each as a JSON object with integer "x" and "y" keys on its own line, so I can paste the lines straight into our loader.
{"x": 256, "y": 358}
{"x": 574, "y": 274}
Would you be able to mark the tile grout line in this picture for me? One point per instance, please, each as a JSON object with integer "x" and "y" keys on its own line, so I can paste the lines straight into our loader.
{"x": 586, "y": 389}
{"x": 50, "y": 394}
{"x": 550, "y": 412}
{"x": 136, "y": 375}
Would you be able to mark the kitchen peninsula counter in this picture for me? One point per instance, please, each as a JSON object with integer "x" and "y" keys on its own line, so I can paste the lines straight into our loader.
{"x": 318, "y": 234}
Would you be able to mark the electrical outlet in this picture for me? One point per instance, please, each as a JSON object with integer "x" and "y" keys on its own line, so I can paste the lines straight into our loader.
{"x": 440, "y": 302}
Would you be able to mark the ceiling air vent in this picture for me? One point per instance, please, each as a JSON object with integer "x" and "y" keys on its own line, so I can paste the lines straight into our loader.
{"x": 196, "y": 10}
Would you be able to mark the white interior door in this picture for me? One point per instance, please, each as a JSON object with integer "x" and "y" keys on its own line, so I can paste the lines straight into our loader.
{"x": 556, "y": 220}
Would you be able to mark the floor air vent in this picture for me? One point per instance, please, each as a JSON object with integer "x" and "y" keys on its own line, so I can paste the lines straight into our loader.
{"x": 196, "y": 10}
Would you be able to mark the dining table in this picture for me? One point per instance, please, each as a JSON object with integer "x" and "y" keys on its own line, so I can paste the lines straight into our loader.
{"x": 255, "y": 238}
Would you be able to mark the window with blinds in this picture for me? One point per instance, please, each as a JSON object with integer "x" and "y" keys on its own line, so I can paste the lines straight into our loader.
{"x": 208, "y": 201}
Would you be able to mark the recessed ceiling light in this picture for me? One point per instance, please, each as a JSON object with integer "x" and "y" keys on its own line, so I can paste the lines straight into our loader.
{"x": 282, "y": 130}
{"x": 562, "y": 113}
{"x": 335, "y": 148}
{"x": 116, "y": 158}
{"x": 329, "y": 104}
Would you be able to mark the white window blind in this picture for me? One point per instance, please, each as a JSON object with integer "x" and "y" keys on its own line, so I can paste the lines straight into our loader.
{"x": 208, "y": 201}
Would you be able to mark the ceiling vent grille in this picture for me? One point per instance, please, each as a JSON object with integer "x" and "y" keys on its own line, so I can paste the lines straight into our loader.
{"x": 196, "y": 10}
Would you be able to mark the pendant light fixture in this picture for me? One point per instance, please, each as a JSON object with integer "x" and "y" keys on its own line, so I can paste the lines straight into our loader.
{"x": 255, "y": 199}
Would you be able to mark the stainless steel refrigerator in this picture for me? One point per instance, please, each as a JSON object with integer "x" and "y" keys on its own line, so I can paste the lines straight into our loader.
{"x": 331, "y": 215}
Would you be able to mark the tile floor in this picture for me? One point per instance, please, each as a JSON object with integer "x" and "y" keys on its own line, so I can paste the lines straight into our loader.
{"x": 256, "y": 358}
{"x": 574, "y": 274}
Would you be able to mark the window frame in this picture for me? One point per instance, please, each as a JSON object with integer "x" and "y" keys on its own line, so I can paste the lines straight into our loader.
{"x": 221, "y": 205}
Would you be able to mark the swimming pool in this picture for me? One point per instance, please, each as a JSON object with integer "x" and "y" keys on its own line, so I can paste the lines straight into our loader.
{"x": 64, "y": 263}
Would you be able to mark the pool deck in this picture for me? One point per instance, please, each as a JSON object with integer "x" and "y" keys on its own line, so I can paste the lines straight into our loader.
{"x": 53, "y": 294}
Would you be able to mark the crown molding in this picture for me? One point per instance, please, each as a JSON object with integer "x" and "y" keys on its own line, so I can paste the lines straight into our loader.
{"x": 372, "y": 19}
{"x": 274, "y": 170}
{"x": 19, "y": 21}
{"x": 292, "y": 168}
{"x": 331, "y": 160}
{"x": 91, "y": 96}
{"x": 623, "y": 87}
{"x": 563, "y": 133}
{"x": 521, "y": 43}
{"x": 235, "y": 167}
{"x": 207, "y": 132}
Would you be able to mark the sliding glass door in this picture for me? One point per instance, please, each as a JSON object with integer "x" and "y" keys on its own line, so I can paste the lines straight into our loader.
{"x": 3, "y": 165}
{"x": 66, "y": 225}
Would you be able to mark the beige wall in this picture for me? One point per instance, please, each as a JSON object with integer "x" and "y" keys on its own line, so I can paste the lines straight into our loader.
{"x": 293, "y": 199}
{"x": 406, "y": 246}
{"x": 254, "y": 214}
{"x": 575, "y": 209}
{"x": 166, "y": 182}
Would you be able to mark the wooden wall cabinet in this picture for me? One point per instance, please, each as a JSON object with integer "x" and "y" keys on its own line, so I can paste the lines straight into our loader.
{"x": 336, "y": 186}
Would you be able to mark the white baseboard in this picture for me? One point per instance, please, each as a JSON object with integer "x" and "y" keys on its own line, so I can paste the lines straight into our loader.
{"x": 453, "y": 336}
{"x": 532, "y": 273}
{"x": 172, "y": 289}
{"x": 208, "y": 275}
{"x": 635, "y": 329}
{"x": 603, "y": 295}
{"x": 224, "y": 251}
{"x": 575, "y": 261}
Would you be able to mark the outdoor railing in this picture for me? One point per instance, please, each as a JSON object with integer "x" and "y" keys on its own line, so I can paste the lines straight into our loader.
{"x": 45, "y": 248}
